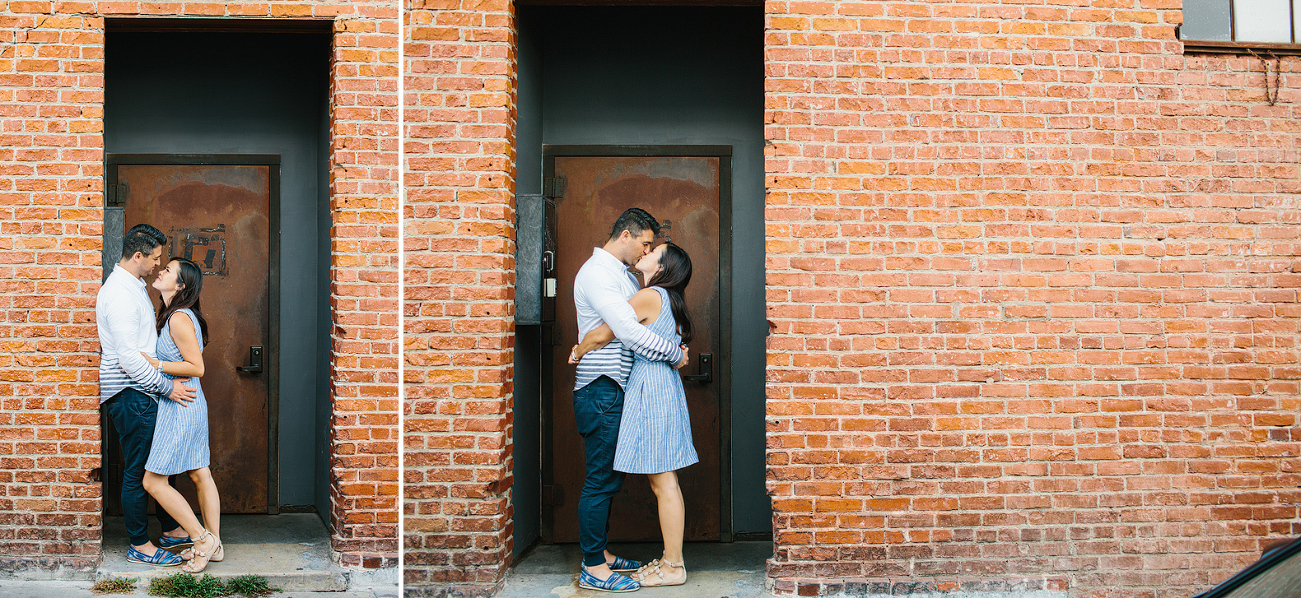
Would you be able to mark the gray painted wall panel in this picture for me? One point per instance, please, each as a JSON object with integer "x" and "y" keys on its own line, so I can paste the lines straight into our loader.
{"x": 527, "y": 437}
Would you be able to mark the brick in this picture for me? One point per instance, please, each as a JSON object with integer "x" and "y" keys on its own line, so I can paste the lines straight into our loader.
{"x": 459, "y": 327}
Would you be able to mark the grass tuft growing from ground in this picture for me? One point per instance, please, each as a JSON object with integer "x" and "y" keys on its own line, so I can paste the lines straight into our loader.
{"x": 253, "y": 586}
{"x": 185, "y": 585}
{"x": 115, "y": 585}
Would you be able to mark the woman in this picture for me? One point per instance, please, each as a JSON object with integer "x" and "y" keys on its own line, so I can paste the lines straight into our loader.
{"x": 655, "y": 433}
{"x": 181, "y": 431}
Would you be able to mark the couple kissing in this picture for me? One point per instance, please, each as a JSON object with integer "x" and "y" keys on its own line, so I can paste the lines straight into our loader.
{"x": 629, "y": 403}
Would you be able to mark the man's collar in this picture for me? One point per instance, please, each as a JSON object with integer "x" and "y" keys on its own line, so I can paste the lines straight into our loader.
{"x": 601, "y": 253}
{"x": 127, "y": 273}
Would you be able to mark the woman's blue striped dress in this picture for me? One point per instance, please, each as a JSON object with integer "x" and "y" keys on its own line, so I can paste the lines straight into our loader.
{"x": 655, "y": 432}
{"x": 181, "y": 431}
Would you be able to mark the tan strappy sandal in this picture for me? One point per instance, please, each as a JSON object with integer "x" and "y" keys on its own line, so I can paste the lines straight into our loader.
{"x": 217, "y": 553}
{"x": 652, "y": 575}
{"x": 654, "y": 564}
{"x": 218, "y": 556}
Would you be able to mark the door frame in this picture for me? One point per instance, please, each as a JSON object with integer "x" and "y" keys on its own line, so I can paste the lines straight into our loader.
{"x": 724, "y": 374}
{"x": 272, "y": 357}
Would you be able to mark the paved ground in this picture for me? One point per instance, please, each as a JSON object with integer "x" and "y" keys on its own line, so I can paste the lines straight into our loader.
{"x": 713, "y": 570}
{"x": 81, "y": 589}
{"x": 291, "y": 550}
{"x": 733, "y": 570}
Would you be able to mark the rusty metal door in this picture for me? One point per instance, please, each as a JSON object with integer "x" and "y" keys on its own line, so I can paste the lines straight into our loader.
{"x": 219, "y": 211}
{"x": 688, "y": 190}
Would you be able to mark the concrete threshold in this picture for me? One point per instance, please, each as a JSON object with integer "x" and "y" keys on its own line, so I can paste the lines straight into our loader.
{"x": 291, "y": 550}
{"x": 722, "y": 570}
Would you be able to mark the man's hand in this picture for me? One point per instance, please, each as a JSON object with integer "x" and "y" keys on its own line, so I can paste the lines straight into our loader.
{"x": 181, "y": 393}
{"x": 686, "y": 358}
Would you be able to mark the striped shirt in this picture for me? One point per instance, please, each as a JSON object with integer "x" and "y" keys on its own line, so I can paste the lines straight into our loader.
{"x": 601, "y": 293}
{"x": 125, "y": 318}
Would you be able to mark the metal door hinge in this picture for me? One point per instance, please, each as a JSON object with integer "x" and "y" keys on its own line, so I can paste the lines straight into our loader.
{"x": 115, "y": 195}
{"x": 554, "y": 187}
{"x": 553, "y": 334}
{"x": 553, "y": 496}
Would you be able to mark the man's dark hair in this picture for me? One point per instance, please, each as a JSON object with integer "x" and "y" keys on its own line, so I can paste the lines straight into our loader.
{"x": 635, "y": 221}
{"x": 142, "y": 238}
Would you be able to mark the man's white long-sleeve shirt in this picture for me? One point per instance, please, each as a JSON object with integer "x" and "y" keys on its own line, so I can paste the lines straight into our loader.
{"x": 125, "y": 318}
{"x": 601, "y": 293}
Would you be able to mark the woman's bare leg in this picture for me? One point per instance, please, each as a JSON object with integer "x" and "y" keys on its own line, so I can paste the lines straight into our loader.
{"x": 673, "y": 514}
{"x": 172, "y": 501}
{"x": 179, "y": 532}
{"x": 209, "y": 501}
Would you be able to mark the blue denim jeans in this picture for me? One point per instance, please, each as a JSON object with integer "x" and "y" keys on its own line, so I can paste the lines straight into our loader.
{"x": 598, "y": 407}
{"x": 133, "y": 414}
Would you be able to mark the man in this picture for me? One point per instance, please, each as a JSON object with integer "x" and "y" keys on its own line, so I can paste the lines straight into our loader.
{"x": 124, "y": 315}
{"x": 601, "y": 292}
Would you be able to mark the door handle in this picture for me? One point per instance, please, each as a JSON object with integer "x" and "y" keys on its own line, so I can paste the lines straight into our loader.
{"x": 254, "y": 360}
{"x": 706, "y": 369}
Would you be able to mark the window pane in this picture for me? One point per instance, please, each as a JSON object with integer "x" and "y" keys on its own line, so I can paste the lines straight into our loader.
{"x": 1206, "y": 20}
{"x": 1281, "y": 581}
{"x": 1262, "y": 21}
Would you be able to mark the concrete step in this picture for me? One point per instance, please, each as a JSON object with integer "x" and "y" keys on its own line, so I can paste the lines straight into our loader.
{"x": 731, "y": 570}
{"x": 291, "y": 550}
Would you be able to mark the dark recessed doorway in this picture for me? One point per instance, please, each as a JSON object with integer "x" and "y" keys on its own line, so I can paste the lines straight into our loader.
{"x": 669, "y": 96}
{"x": 216, "y": 132}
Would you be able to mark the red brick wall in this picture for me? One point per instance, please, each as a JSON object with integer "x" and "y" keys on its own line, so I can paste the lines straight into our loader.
{"x": 1031, "y": 272}
{"x": 51, "y": 156}
{"x": 365, "y": 163}
{"x": 459, "y": 121}
{"x": 51, "y": 97}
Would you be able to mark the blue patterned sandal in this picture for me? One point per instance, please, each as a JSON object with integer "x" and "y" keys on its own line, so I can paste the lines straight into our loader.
{"x": 160, "y": 557}
{"x": 623, "y": 565}
{"x": 166, "y": 541}
{"x": 614, "y": 583}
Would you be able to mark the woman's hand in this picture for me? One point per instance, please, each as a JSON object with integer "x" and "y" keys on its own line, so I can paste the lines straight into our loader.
{"x": 574, "y": 355}
{"x": 152, "y": 361}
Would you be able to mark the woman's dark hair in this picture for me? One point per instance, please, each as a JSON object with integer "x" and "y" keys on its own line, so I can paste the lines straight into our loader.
{"x": 674, "y": 274}
{"x": 190, "y": 276}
